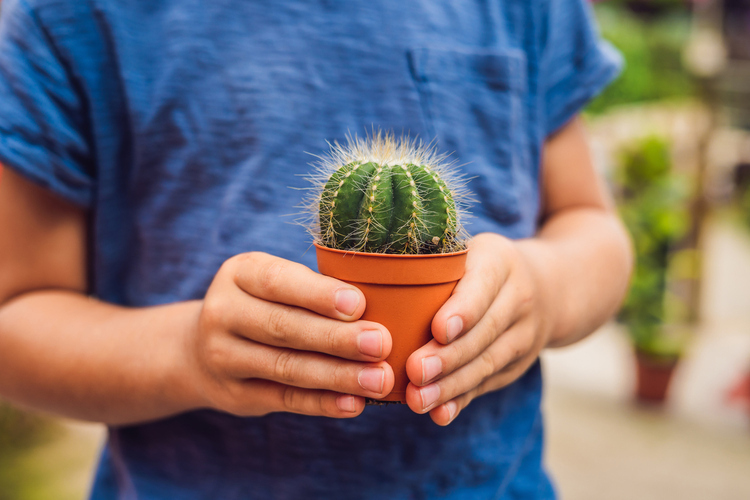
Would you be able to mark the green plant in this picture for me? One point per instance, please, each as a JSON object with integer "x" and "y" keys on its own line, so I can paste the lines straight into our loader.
{"x": 388, "y": 195}
{"x": 20, "y": 432}
{"x": 653, "y": 207}
{"x": 744, "y": 205}
{"x": 653, "y": 56}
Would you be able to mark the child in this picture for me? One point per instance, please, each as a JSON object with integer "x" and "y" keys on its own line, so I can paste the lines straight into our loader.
{"x": 149, "y": 281}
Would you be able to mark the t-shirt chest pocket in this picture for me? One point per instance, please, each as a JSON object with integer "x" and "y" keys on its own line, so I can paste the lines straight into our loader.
{"x": 472, "y": 104}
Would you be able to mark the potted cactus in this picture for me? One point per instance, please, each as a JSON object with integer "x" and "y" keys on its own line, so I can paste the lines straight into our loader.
{"x": 386, "y": 215}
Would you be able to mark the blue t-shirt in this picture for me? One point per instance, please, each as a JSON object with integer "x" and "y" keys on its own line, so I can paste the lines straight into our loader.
{"x": 181, "y": 126}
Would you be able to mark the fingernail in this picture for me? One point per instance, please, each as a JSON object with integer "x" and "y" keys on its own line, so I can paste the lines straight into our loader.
{"x": 453, "y": 327}
{"x": 431, "y": 368}
{"x": 371, "y": 343}
{"x": 452, "y": 407}
{"x": 347, "y": 301}
{"x": 345, "y": 402}
{"x": 372, "y": 379}
{"x": 429, "y": 394}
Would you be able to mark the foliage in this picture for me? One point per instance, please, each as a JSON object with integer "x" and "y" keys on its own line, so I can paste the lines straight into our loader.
{"x": 651, "y": 5}
{"x": 653, "y": 56}
{"x": 745, "y": 205}
{"x": 19, "y": 432}
{"x": 653, "y": 207}
{"x": 19, "y": 429}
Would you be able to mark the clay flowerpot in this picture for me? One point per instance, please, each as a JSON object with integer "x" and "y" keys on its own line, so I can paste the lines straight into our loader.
{"x": 739, "y": 393}
{"x": 653, "y": 374}
{"x": 403, "y": 293}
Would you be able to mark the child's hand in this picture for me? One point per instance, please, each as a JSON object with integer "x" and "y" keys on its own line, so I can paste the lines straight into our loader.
{"x": 275, "y": 336}
{"x": 487, "y": 334}
{"x": 518, "y": 297}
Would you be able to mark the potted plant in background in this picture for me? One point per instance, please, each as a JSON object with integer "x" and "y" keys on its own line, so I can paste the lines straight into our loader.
{"x": 652, "y": 204}
{"x": 386, "y": 215}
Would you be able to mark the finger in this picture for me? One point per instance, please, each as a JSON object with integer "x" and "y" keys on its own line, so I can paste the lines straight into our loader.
{"x": 447, "y": 412}
{"x": 308, "y": 370}
{"x": 435, "y": 360}
{"x": 260, "y": 397}
{"x": 515, "y": 345}
{"x": 286, "y": 282}
{"x": 292, "y": 327}
{"x": 473, "y": 296}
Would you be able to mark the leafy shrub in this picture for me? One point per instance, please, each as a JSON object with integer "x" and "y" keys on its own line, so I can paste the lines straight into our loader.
{"x": 652, "y": 204}
{"x": 653, "y": 56}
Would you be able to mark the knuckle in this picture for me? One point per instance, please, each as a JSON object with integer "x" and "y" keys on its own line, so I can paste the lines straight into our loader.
{"x": 245, "y": 266}
{"x": 340, "y": 378}
{"x": 487, "y": 364}
{"x": 269, "y": 275}
{"x": 471, "y": 396}
{"x": 525, "y": 297}
{"x": 276, "y": 325}
{"x": 214, "y": 354}
{"x": 331, "y": 339}
{"x": 285, "y": 367}
{"x": 234, "y": 397}
{"x": 459, "y": 356}
{"x": 303, "y": 401}
{"x": 213, "y": 311}
{"x": 498, "y": 274}
{"x": 512, "y": 354}
{"x": 252, "y": 259}
{"x": 511, "y": 252}
{"x": 320, "y": 404}
{"x": 227, "y": 267}
{"x": 232, "y": 265}
{"x": 230, "y": 398}
{"x": 291, "y": 398}
{"x": 494, "y": 325}
{"x": 519, "y": 350}
{"x": 450, "y": 389}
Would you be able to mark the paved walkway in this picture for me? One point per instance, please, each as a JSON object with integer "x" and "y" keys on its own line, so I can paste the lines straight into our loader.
{"x": 600, "y": 449}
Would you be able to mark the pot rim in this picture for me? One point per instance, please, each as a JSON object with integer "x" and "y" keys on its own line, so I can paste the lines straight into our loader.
{"x": 389, "y": 255}
{"x": 391, "y": 269}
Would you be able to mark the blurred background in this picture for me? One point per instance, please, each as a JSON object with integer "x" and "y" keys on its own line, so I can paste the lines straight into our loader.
{"x": 656, "y": 405}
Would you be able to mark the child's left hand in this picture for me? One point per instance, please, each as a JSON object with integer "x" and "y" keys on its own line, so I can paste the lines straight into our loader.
{"x": 486, "y": 336}
{"x": 518, "y": 297}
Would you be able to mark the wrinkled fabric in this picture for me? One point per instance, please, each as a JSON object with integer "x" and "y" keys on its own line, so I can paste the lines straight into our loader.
{"x": 182, "y": 125}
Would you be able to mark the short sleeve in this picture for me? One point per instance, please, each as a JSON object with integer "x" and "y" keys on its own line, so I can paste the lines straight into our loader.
{"x": 43, "y": 132}
{"x": 576, "y": 63}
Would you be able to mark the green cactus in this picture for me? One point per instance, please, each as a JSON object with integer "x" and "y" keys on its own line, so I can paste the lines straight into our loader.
{"x": 388, "y": 195}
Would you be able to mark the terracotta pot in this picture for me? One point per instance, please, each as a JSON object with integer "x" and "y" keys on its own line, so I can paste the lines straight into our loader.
{"x": 403, "y": 293}
{"x": 739, "y": 393}
{"x": 653, "y": 375}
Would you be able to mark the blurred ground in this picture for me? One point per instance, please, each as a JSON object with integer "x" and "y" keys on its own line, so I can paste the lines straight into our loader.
{"x": 600, "y": 445}
{"x": 605, "y": 449}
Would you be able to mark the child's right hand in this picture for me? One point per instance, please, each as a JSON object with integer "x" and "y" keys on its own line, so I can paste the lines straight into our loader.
{"x": 273, "y": 335}
{"x": 270, "y": 335}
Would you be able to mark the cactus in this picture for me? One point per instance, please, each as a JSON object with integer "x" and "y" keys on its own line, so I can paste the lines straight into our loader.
{"x": 388, "y": 195}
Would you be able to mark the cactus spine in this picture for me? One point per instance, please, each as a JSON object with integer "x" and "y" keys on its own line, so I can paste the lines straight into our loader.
{"x": 386, "y": 195}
